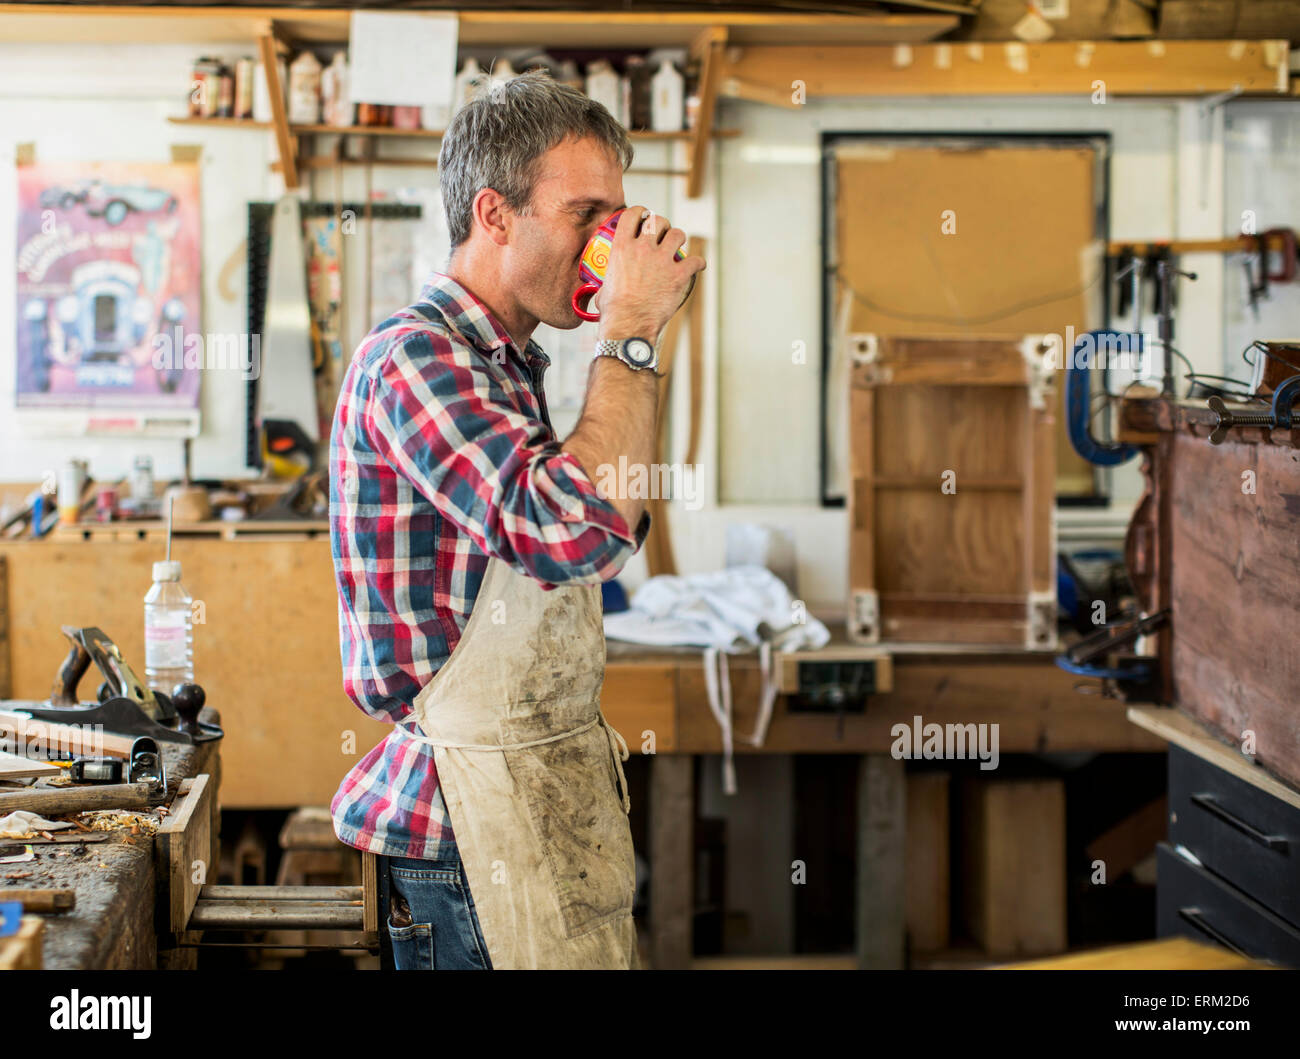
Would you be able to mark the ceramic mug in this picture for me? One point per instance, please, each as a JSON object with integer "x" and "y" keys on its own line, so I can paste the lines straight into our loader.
{"x": 595, "y": 259}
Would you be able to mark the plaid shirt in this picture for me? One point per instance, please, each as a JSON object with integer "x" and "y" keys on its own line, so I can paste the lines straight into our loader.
{"x": 442, "y": 454}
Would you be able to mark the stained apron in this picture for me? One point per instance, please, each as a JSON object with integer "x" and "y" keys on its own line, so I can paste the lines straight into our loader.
{"x": 532, "y": 776}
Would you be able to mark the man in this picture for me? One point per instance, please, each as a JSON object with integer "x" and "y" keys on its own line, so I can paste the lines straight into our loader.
{"x": 469, "y": 547}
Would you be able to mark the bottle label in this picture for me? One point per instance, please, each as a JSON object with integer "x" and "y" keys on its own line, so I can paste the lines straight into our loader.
{"x": 165, "y": 641}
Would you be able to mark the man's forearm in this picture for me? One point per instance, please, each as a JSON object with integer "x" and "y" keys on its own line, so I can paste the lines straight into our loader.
{"x": 618, "y": 420}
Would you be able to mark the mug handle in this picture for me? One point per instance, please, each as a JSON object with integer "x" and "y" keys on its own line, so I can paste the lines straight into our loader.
{"x": 582, "y": 294}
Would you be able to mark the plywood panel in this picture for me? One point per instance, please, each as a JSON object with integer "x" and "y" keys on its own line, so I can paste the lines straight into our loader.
{"x": 267, "y": 651}
{"x": 970, "y": 240}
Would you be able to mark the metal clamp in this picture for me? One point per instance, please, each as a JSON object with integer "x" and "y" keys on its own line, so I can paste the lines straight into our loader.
{"x": 1280, "y": 416}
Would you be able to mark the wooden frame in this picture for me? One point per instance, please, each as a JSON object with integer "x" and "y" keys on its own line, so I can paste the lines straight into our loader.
{"x": 970, "y": 530}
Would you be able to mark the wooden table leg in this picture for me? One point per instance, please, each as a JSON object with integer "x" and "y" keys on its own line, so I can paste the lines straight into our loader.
{"x": 882, "y": 827}
{"x": 672, "y": 860}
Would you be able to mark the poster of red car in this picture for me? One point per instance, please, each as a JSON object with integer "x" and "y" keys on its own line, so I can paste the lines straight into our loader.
{"x": 108, "y": 276}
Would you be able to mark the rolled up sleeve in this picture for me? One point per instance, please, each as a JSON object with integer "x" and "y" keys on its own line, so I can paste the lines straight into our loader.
{"x": 440, "y": 414}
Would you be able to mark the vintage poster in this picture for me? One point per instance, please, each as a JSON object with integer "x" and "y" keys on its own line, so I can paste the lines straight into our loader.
{"x": 109, "y": 287}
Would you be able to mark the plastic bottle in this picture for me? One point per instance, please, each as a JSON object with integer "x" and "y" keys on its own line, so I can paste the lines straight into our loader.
{"x": 605, "y": 87}
{"x": 469, "y": 83}
{"x": 304, "y": 90}
{"x": 668, "y": 106}
{"x": 168, "y": 630}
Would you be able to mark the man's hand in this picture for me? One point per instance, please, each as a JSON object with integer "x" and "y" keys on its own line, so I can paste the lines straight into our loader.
{"x": 644, "y": 285}
{"x": 644, "y": 282}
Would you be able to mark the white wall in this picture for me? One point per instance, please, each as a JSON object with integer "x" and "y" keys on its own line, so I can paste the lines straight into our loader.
{"x": 761, "y": 291}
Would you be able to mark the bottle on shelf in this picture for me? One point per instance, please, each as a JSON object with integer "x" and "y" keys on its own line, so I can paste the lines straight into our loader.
{"x": 406, "y": 118}
{"x": 667, "y": 99}
{"x": 262, "y": 93}
{"x": 337, "y": 108}
{"x": 604, "y": 86}
{"x": 469, "y": 83}
{"x": 636, "y": 93}
{"x": 304, "y": 90}
{"x": 502, "y": 71}
{"x": 692, "y": 92}
{"x": 244, "y": 77}
{"x": 568, "y": 75}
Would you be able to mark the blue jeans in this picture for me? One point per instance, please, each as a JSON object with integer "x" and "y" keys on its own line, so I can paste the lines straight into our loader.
{"x": 430, "y": 917}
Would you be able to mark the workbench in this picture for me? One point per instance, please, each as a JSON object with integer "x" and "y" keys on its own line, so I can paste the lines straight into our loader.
{"x": 1038, "y": 707}
{"x": 118, "y": 891}
{"x": 267, "y": 650}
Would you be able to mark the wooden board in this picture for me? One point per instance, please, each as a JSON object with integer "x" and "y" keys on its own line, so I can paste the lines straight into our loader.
{"x": 266, "y": 651}
{"x": 22, "y": 951}
{"x": 1035, "y": 704}
{"x": 183, "y": 850}
{"x": 881, "y": 876}
{"x": 1235, "y": 589}
{"x": 1168, "y": 954}
{"x": 928, "y": 862}
{"x": 1136, "y": 68}
{"x": 1190, "y": 734}
{"x": 950, "y": 510}
{"x": 981, "y": 238}
{"x": 640, "y": 702}
{"x": 578, "y": 29}
{"x": 1013, "y": 856}
{"x": 20, "y": 730}
{"x": 6, "y": 683}
{"x": 13, "y": 767}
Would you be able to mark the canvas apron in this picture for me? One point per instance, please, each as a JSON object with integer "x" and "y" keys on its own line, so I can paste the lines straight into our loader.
{"x": 533, "y": 776}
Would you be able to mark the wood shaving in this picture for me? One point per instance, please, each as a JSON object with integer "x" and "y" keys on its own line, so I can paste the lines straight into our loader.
{"x": 120, "y": 820}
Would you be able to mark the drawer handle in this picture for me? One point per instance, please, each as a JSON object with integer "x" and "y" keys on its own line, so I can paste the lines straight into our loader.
{"x": 1197, "y": 919}
{"x": 1211, "y": 805}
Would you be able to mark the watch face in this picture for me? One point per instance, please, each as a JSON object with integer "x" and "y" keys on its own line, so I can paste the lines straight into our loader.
{"x": 639, "y": 351}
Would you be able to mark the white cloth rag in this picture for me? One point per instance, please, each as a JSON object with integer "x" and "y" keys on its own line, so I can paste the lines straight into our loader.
{"x": 739, "y": 609}
{"x": 23, "y": 824}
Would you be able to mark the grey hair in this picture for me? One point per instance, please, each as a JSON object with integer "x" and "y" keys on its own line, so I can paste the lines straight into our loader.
{"x": 495, "y": 141}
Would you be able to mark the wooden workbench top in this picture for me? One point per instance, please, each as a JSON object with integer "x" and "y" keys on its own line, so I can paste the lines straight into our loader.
{"x": 112, "y": 924}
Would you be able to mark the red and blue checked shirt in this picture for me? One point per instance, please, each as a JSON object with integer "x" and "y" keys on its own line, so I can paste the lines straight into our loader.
{"x": 442, "y": 454}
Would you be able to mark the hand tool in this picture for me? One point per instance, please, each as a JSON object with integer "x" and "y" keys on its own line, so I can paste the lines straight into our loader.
{"x": 145, "y": 765}
{"x": 125, "y": 705}
{"x": 1165, "y": 295}
{"x": 47, "y": 800}
{"x": 1126, "y": 676}
{"x": 286, "y": 391}
{"x": 43, "y": 900}
{"x": 1280, "y": 416}
{"x": 1078, "y": 398}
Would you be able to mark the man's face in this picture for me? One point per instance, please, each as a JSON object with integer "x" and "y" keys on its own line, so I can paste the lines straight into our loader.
{"x": 579, "y": 184}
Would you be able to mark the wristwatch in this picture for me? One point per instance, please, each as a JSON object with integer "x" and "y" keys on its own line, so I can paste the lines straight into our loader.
{"x": 639, "y": 354}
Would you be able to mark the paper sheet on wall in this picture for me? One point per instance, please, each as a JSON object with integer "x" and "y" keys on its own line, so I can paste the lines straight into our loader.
{"x": 402, "y": 60}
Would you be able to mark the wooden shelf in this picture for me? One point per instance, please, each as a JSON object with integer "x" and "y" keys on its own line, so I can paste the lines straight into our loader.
{"x": 414, "y": 134}
{"x": 224, "y": 123}
{"x": 1192, "y": 735}
{"x": 1174, "y": 68}
{"x": 65, "y": 23}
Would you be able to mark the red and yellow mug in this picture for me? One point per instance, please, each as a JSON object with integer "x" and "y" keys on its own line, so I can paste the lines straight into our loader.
{"x": 595, "y": 260}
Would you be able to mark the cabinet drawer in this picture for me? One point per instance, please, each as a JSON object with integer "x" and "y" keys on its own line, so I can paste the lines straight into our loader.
{"x": 1238, "y": 831}
{"x": 1190, "y": 902}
